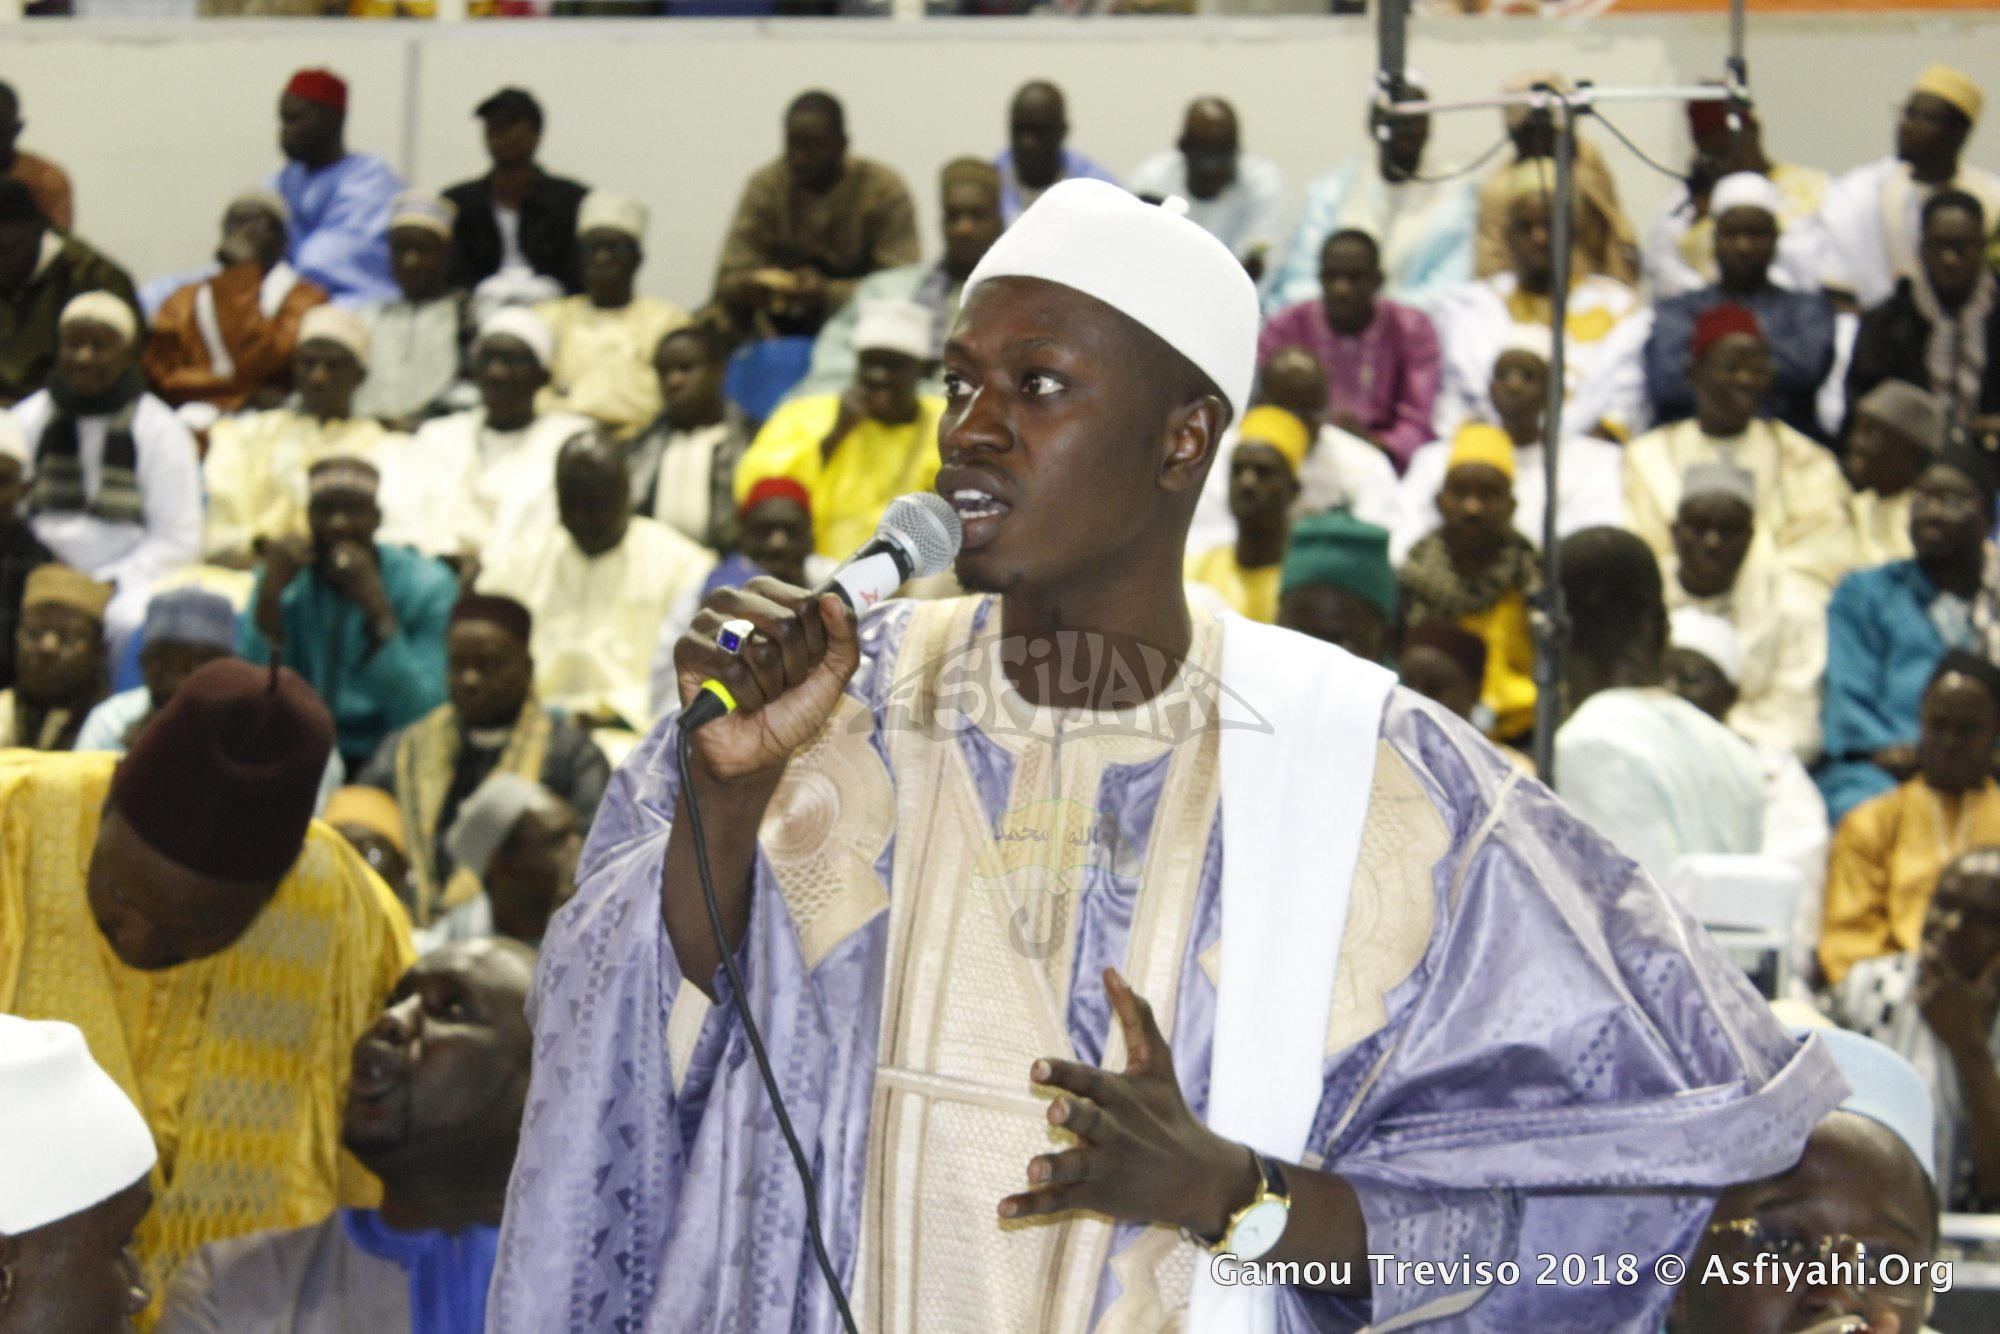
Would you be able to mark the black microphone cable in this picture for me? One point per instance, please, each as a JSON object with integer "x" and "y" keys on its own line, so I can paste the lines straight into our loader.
{"x": 682, "y": 743}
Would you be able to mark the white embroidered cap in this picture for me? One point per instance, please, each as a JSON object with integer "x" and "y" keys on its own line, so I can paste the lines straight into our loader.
{"x": 336, "y": 324}
{"x": 69, "y": 1137}
{"x": 1149, "y": 263}
{"x": 270, "y": 201}
{"x": 428, "y": 212}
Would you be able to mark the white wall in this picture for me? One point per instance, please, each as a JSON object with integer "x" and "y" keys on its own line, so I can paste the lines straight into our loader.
{"x": 160, "y": 123}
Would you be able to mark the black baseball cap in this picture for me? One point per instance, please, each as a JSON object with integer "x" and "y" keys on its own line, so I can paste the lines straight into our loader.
{"x": 510, "y": 104}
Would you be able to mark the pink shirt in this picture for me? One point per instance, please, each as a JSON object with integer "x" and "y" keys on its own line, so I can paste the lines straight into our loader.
{"x": 1386, "y": 375}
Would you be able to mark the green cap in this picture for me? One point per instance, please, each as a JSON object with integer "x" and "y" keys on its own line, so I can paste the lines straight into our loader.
{"x": 1340, "y": 550}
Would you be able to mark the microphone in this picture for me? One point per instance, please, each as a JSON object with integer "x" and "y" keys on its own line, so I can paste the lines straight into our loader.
{"x": 919, "y": 536}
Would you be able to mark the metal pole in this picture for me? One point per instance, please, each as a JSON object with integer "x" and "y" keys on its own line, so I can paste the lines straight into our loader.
{"x": 1391, "y": 27}
{"x": 1549, "y": 622}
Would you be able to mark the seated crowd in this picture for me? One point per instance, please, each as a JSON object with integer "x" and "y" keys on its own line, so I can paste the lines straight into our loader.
{"x": 381, "y": 525}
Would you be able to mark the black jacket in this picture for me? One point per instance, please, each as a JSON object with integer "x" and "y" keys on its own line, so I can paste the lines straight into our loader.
{"x": 548, "y": 231}
{"x": 1891, "y": 345}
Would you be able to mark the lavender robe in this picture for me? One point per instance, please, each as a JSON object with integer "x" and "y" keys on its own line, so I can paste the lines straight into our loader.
{"x": 1567, "y": 1065}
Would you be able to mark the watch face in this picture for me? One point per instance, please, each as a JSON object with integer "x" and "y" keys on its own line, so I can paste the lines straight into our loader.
{"x": 1258, "y": 1230}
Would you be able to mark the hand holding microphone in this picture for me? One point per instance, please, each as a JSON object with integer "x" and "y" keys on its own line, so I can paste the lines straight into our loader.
{"x": 795, "y": 658}
{"x": 762, "y": 667}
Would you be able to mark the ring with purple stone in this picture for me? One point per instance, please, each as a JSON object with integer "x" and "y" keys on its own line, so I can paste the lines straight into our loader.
{"x": 732, "y": 635}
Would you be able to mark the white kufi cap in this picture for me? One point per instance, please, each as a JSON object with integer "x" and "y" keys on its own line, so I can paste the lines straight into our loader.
{"x": 101, "y": 308}
{"x": 69, "y": 1137}
{"x": 620, "y": 213}
{"x": 896, "y": 326}
{"x": 1531, "y": 338}
{"x": 1711, "y": 636}
{"x": 1149, "y": 263}
{"x": 1745, "y": 189}
{"x": 1884, "y": 1086}
{"x": 522, "y": 323}
{"x": 337, "y": 324}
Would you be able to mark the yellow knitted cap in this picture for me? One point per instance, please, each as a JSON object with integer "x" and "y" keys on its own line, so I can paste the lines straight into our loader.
{"x": 1954, "y": 86}
{"x": 1280, "y": 430}
{"x": 1476, "y": 442}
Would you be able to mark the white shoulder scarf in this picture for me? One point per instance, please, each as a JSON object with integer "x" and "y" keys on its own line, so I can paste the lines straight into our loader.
{"x": 1294, "y": 800}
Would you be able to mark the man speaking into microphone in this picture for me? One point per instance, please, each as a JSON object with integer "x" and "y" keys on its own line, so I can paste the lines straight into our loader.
{"x": 1089, "y": 933}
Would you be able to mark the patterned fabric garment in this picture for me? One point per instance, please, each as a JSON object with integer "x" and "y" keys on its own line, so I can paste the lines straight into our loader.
{"x": 240, "y": 1060}
{"x": 426, "y": 770}
{"x": 1878, "y": 998}
{"x": 941, "y": 879}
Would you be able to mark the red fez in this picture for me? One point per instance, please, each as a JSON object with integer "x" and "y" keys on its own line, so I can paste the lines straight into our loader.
{"x": 506, "y": 613}
{"x": 776, "y": 488}
{"x": 1718, "y": 322}
{"x": 222, "y": 781}
{"x": 319, "y": 85}
{"x": 1706, "y": 118}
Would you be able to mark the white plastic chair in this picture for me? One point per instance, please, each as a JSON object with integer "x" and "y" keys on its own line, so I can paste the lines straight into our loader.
{"x": 1747, "y": 903}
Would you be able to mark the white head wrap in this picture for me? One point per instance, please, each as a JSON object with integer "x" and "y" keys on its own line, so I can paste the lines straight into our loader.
{"x": 1150, "y": 264}
{"x": 69, "y": 1137}
{"x": 522, "y": 323}
{"x": 1745, "y": 189}
{"x": 336, "y": 324}
{"x": 1709, "y": 635}
{"x": 621, "y": 213}
{"x": 896, "y": 326}
{"x": 101, "y": 308}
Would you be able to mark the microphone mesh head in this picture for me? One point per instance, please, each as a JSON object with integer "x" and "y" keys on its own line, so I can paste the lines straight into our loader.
{"x": 925, "y": 525}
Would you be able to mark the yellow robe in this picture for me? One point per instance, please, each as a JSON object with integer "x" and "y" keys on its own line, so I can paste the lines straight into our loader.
{"x": 1886, "y": 858}
{"x": 598, "y": 618}
{"x": 871, "y": 467}
{"x": 1881, "y": 528}
{"x": 1802, "y": 499}
{"x": 1251, "y": 593}
{"x": 239, "y": 1061}
{"x": 1509, "y": 687}
{"x": 255, "y": 472}
{"x": 603, "y": 365}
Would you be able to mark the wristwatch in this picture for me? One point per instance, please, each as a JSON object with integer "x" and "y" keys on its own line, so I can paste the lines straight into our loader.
{"x": 1254, "y": 1229}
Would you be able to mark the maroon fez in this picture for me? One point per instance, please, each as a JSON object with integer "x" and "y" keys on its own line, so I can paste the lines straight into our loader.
{"x": 223, "y": 780}
{"x": 506, "y": 613}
